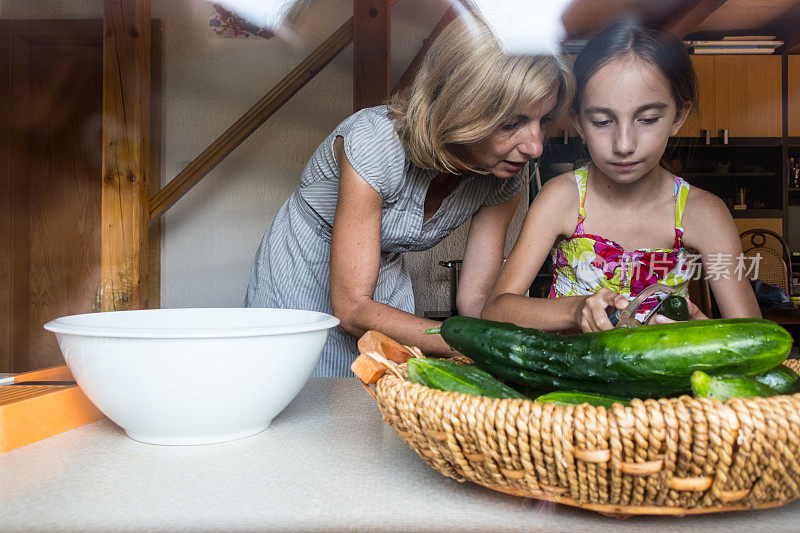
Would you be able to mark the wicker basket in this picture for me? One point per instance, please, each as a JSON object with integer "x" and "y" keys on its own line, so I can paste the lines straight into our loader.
{"x": 672, "y": 456}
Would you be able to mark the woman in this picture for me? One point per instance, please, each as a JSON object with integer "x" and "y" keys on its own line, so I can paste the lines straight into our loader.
{"x": 402, "y": 178}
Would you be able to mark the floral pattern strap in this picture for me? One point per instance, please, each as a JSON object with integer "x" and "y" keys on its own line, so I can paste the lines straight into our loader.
{"x": 681, "y": 194}
{"x": 581, "y": 179}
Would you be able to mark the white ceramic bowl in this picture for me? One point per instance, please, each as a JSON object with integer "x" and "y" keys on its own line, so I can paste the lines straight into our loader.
{"x": 192, "y": 376}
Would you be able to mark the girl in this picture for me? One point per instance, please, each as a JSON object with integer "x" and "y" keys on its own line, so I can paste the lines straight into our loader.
{"x": 402, "y": 178}
{"x": 623, "y": 222}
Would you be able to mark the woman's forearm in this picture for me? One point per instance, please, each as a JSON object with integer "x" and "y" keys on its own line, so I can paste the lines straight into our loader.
{"x": 405, "y": 328}
{"x": 546, "y": 314}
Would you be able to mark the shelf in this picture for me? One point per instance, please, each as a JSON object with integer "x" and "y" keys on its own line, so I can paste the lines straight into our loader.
{"x": 734, "y": 142}
{"x": 758, "y": 213}
{"x": 730, "y": 174}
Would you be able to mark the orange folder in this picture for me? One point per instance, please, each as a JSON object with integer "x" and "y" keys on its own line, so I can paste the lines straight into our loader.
{"x": 34, "y": 412}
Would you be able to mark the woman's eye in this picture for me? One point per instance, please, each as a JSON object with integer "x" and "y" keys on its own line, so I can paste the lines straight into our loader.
{"x": 510, "y": 126}
{"x": 601, "y": 123}
{"x": 649, "y": 120}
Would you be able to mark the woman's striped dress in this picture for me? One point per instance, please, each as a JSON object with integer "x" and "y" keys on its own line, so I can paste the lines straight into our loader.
{"x": 291, "y": 267}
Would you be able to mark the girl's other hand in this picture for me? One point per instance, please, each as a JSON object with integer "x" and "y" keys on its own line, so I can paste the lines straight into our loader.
{"x": 592, "y": 312}
{"x": 694, "y": 314}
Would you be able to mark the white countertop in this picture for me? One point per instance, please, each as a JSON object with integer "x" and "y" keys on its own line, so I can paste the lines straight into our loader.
{"x": 327, "y": 463}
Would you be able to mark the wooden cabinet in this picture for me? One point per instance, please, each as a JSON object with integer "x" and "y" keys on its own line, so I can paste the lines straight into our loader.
{"x": 557, "y": 129}
{"x": 703, "y": 116}
{"x": 794, "y": 96}
{"x": 748, "y": 95}
{"x": 739, "y": 93}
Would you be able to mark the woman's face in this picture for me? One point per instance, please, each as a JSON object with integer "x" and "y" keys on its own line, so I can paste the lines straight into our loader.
{"x": 514, "y": 143}
{"x": 627, "y": 115}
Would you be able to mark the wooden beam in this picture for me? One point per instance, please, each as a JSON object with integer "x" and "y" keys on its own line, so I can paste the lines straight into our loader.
{"x": 791, "y": 43}
{"x": 250, "y": 121}
{"x": 408, "y": 76}
{"x": 794, "y": 48}
{"x": 372, "y": 77}
{"x": 786, "y": 28}
{"x": 20, "y": 223}
{"x": 125, "y": 145}
{"x": 687, "y": 17}
{"x": 154, "y": 184}
{"x": 6, "y": 264}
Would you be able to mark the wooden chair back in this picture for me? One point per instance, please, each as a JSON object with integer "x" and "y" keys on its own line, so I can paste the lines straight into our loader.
{"x": 773, "y": 266}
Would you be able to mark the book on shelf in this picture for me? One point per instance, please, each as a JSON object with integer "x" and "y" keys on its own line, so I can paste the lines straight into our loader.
{"x": 573, "y": 46}
{"x": 744, "y": 45}
{"x": 708, "y": 51}
{"x": 729, "y": 43}
{"x": 748, "y": 38}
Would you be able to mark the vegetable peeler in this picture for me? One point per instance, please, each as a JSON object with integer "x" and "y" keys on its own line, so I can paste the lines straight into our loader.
{"x": 624, "y": 318}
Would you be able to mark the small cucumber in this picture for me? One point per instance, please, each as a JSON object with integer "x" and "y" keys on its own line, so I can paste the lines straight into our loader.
{"x": 448, "y": 376}
{"x": 675, "y": 307}
{"x": 659, "y": 387}
{"x": 782, "y": 379}
{"x": 578, "y": 398}
{"x": 726, "y": 387}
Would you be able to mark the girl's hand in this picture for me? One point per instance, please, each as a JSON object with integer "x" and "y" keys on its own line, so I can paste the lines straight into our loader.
{"x": 694, "y": 314}
{"x": 592, "y": 311}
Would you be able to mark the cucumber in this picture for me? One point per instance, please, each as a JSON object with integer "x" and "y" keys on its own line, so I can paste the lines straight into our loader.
{"x": 578, "y": 398}
{"x": 448, "y": 376}
{"x": 646, "y": 353}
{"x": 655, "y": 388}
{"x": 675, "y": 307}
{"x": 725, "y": 387}
{"x": 782, "y": 379}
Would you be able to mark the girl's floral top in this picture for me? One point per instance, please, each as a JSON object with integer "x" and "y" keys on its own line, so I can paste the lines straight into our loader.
{"x": 584, "y": 263}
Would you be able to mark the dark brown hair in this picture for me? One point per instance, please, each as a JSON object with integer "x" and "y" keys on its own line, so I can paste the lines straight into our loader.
{"x": 662, "y": 50}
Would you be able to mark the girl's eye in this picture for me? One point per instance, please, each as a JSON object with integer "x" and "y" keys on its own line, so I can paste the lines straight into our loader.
{"x": 649, "y": 120}
{"x": 601, "y": 123}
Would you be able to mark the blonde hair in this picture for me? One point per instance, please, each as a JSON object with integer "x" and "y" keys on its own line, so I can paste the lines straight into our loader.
{"x": 465, "y": 89}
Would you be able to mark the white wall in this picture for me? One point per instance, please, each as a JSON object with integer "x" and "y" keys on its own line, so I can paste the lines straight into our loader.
{"x": 211, "y": 234}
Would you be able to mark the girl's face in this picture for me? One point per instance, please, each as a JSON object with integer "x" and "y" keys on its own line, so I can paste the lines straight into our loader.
{"x": 517, "y": 141}
{"x": 626, "y": 117}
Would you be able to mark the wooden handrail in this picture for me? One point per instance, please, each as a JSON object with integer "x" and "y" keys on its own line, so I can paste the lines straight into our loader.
{"x": 250, "y": 121}
{"x": 408, "y": 76}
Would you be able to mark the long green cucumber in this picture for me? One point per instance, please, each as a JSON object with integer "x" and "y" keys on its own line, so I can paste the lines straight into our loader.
{"x": 726, "y": 387}
{"x": 577, "y": 398}
{"x": 448, "y": 376}
{"x": 781, "y": 378}
{"x": 743, "y": 346}
{"x": 655, "y": 388}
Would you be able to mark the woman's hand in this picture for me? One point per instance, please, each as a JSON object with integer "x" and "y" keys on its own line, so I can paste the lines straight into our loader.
{"x": 591, "y": 313}
{"x": 694, "y": 314}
